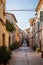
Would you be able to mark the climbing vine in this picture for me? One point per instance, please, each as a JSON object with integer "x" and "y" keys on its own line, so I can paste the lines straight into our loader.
{"x": 9, "y": 26}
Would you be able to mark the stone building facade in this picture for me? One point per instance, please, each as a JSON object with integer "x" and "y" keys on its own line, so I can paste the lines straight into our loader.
{"x": 15, "y": 35}
{"x": 36, "y": 26}
{"x": 32, "y": 32}
{"x": 39, "y": 20}
{"x": 4, "y": 34}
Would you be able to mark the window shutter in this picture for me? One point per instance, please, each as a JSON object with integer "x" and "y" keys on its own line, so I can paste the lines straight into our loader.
{"x": 41, "y": 16}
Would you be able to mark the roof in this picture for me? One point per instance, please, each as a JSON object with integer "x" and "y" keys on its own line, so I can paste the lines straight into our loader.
{"x": 39, "y": 5}
{"x": 13, "y": 16}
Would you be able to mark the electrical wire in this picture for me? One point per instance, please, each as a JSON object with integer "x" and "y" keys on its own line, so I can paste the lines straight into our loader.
{"x": 22, "y": 10}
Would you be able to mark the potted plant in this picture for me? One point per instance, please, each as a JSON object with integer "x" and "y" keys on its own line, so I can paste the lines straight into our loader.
{"x": 5, "y": 55}
{"x": 38, "y": 50}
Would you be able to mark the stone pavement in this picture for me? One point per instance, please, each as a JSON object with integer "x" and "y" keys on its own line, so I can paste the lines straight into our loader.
{"x": 25, "y": 56}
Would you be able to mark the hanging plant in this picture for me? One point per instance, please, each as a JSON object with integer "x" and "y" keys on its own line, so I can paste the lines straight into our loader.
{"x": 9, "y": 26}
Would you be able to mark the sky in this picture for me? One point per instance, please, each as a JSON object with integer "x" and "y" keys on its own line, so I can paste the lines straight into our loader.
{"x": 22, "y": 16}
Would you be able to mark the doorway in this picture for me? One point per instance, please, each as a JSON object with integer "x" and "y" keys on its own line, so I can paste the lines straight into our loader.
{"x": 3, "y": 38}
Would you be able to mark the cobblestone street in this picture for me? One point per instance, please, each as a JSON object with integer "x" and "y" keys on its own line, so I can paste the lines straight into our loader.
{"x": 25, "y": 56}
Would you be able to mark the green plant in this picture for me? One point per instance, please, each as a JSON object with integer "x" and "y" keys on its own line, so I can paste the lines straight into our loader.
{"x": 5, "y": 55}
{"x": 14, "y": 46}
{"x": 37, "y": 49}
{"x": 9, "y": 26}
{"x": 34, "y": 47}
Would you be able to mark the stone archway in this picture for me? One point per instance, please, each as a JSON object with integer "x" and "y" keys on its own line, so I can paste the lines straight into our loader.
{"x": 3, "y": 38}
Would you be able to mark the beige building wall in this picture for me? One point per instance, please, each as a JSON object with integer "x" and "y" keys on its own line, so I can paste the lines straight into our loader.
{"x": 36, "y": 33}
{"x": 38, "y": 9}
{"x": 10, "y": 17}
{"x": 20, "y": 36}
{"x": 30, "y": 37}
{"x": 32, "y": 32}
{"x": 15, "y": 34}
{"x": 4, "y": 34}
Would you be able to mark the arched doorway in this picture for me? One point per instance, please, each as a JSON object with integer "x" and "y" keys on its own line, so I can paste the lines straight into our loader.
{"x": 3, "y": 38}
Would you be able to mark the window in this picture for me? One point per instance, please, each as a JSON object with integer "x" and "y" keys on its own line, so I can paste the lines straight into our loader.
{"x": 41, "y": 16}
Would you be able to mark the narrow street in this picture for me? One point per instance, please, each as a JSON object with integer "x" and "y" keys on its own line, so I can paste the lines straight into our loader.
{"x": 25, "y": 56}
{"x": 21, "y": 32}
